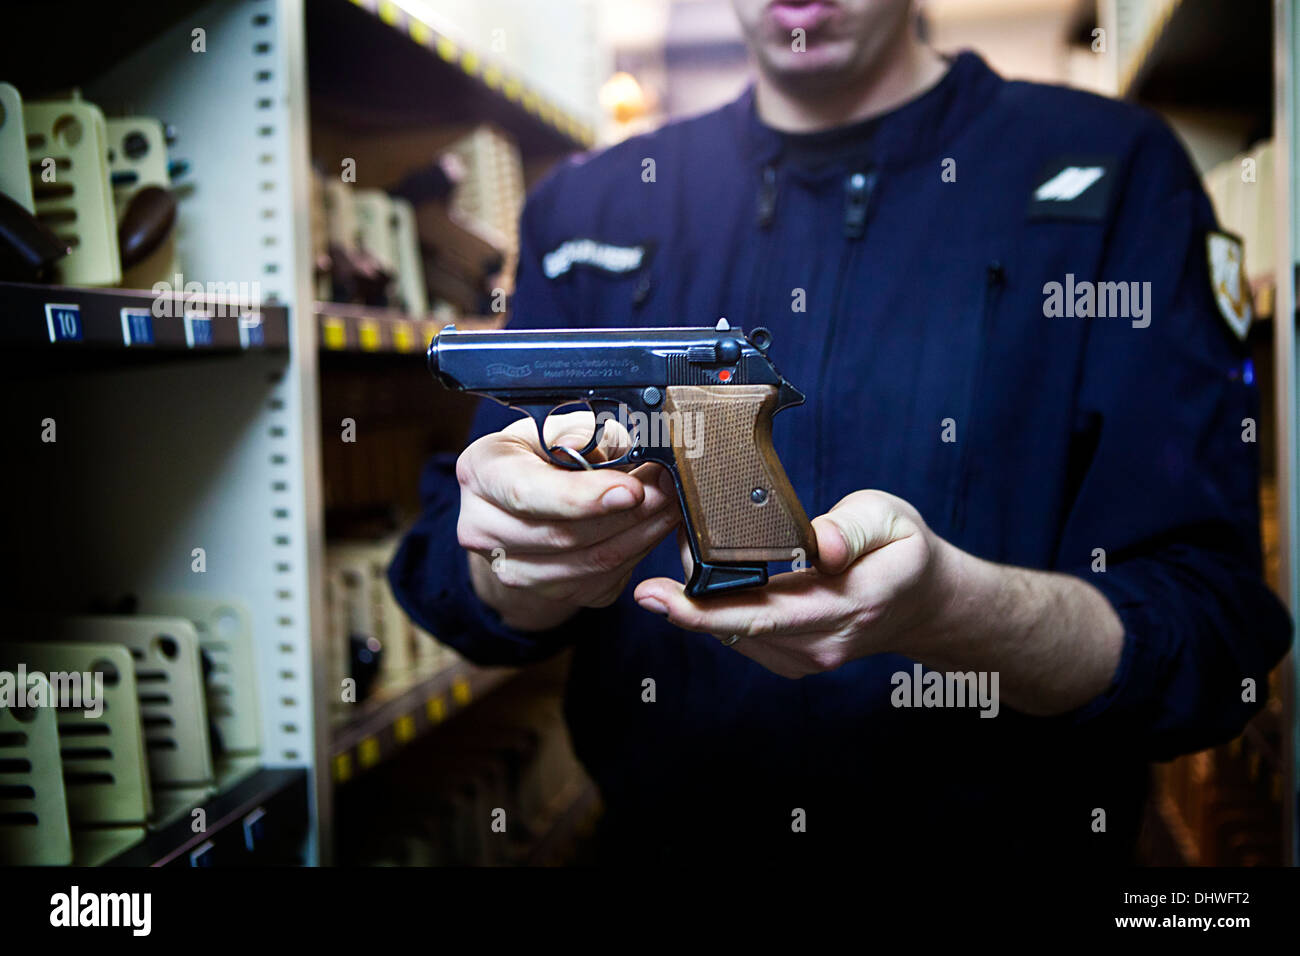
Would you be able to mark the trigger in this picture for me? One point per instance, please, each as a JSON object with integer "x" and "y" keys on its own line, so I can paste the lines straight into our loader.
{"x": 579, "y": 455}
{"x": 576, "y": 456}
{"x": 596, "y": 434}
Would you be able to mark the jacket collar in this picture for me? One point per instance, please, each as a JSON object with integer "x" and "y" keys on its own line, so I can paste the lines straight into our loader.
{"x": 917, "y": 130}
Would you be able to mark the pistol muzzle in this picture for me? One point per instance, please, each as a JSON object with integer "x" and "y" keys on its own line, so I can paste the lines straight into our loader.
{"x": 433, "y": 352}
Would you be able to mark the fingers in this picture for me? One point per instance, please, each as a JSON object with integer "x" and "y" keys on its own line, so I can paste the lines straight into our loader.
{"x": 613, "y": 558}
{"x": 506, "y": 468}
{"x": 859, "y": 524}
{"x": 801, "y": 602}
{"x": 484, "y": 526}
{"x": 574, "y": 429}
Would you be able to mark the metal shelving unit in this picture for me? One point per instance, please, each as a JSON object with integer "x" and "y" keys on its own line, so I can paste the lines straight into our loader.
{"x": 215, "y": 440}
{"x": 155, "y": 459}
{"x": 354, "y": 328}
{"x": 388, "y": 722}
{"x": 125, "y": 319}
{"x": 365, "y": 329}
{"x": 1211, "y": 54}
{"x": 262, "y": 820}
{"x": 486, "y": 88}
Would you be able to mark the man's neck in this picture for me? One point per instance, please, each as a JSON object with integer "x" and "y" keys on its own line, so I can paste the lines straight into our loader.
{"x": 910, "y": 70}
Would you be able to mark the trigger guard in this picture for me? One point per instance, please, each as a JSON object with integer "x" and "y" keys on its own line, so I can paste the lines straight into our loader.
{"x": 539, "y": 413}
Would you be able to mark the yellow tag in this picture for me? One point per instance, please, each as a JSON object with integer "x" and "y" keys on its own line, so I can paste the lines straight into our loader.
{"x": 419, "y": 31}
{"x": 343, "y": 768}
{"x": 368, "y": 335}
{"x": 492, "y": 77}
{"x": 404, "y": 729}
{"x": 469, "y": 62}
{"x": 446, "y": 49}
{"x": 403, "y": 337}
{"x": 335, "y": 333}
{"x": 435, "y": 708}
{"x": 460, "y": 692}
{"x": 530, "y": 101}
{"x": 512, "y": 89}
{"x": 388, "y": 12}
{"x": 368, "y": 752}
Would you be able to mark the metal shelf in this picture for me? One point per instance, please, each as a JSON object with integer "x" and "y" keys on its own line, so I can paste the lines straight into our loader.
{"x": 261, "y": 820}
{"x": 471, "y": 86}
{"x": 360, "y": 328}
{"x": 388, "y": 723}
{"x": 1211, "y": 55}
{"x": 225, "y": 453}
{"x": 77, "y": 318}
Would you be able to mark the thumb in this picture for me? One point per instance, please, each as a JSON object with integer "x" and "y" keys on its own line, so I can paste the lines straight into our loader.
{"x": 859, "y": 524}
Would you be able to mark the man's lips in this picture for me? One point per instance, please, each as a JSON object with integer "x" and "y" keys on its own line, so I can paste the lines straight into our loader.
{"x": 800, "y": 14}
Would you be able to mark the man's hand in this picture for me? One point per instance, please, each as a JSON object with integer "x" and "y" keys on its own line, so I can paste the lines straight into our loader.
{"x": 886, "y": 583}
{"x": 544, "y": 541}
{"x": 877, "y": 581}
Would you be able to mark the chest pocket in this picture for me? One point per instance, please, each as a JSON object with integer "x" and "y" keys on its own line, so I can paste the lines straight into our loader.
{"x": 614, "y": 278}
{"x": 972, "y": 412}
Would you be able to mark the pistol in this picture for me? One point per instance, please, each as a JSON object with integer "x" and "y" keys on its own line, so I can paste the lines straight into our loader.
{"x": 698, "y": 401}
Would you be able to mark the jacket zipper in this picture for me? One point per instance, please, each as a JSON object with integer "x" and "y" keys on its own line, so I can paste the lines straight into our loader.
{"x": 859, "y": 188}
{"x": 766, "y": 212}
{"x": 995, "y": 279}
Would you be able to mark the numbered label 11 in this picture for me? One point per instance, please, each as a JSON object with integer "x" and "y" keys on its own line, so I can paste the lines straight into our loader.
{"x": 137, "y": 327}
{"x": 198, "y": 329}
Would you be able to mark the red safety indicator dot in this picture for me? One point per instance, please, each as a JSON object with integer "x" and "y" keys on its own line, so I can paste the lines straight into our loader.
{"x": 724, "y": 375}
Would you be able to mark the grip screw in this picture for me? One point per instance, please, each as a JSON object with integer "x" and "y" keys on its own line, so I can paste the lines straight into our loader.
{"x": 758, "y": 495}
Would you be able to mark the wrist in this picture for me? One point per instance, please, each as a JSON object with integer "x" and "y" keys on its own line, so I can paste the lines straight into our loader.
{"x": 518, "y": 609}
{"x": 952, "y": 592}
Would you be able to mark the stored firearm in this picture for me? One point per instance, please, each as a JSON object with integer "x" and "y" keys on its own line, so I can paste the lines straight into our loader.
{"x": 698, "y": 401}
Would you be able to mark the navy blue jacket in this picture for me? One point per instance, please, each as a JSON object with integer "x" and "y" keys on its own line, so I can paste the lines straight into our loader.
{"x": 923, "y": 284}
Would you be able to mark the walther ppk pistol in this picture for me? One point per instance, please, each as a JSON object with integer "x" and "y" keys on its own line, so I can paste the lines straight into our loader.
{"x": 697, "y": 401}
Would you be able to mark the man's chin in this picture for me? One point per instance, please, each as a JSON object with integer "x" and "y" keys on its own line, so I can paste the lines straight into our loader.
{"x": 813, "y": 69}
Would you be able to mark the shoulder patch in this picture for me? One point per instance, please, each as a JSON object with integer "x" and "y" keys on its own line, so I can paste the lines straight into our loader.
{"x": 1227, "y": 258}
{"x": 1073, "y": 187}
{"x": 601, "y": 256}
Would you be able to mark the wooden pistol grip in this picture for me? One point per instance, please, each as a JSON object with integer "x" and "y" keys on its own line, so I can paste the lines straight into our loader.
{"x": 741, "y": 504}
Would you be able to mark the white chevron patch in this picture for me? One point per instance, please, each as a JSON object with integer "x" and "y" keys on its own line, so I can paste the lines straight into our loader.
{"x": 1070, "y": 183}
